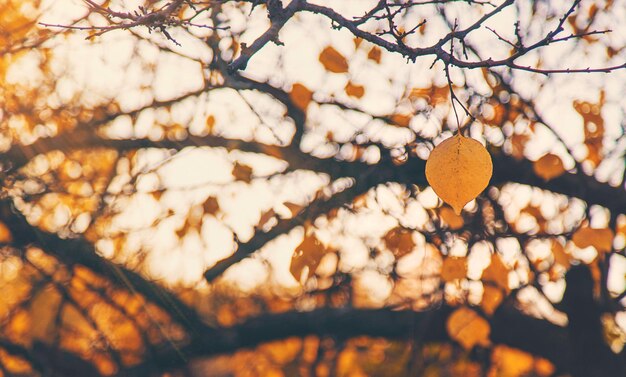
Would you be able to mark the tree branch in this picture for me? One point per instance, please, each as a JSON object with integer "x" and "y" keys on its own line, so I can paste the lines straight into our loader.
{"x": 508, "y": 326}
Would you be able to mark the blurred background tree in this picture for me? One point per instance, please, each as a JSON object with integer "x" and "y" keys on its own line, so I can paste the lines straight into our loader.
{"x": 236, "y": 188}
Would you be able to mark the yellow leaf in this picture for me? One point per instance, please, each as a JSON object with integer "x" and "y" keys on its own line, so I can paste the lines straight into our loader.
{"x": 467, "y": 328}
{"x": 454, "y": 268}
{"x": 333, "y": 61}
{"x": 496, "y": 273}
{"x": 492, "y": 297}
{"x": 308, "y": 254}
{"x": 458, "y": 170}
{"x": 354, "y": 90}
{"x": 300, "y": 96}
{"x": 601, "y": 239}
{"x": 548, "y": 167}
{"x": 374, "y": 54}
{"x": 453, "y": 220}
{"x": 399, "y": 241}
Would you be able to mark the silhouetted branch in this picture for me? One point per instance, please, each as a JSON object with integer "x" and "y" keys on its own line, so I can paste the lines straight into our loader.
{"x": 508, "y": 326}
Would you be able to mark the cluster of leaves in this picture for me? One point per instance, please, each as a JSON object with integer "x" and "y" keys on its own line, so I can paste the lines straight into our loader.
{"x": 197, "y": 202}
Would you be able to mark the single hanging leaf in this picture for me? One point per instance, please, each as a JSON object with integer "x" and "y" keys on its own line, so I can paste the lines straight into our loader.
{"x": 333, "y": 61}
{"x": 458, "y": 170}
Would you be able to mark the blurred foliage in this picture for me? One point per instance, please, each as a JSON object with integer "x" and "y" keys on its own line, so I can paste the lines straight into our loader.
{"x": 151, "y": 198}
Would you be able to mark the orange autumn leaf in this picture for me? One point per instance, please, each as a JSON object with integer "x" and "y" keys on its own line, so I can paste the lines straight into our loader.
{"x": 454, "y": 268}
{"x": 402, "y": 120}
{"x": 308, "y": 254}
{"x": 399, "y": 241}
{"x": 354, "y": 90}
{"x": 560, "y": 256}
{"x": 468, "y": 328}
{"x": 492, "y": 297}
{"x": 300, "y": 96}
{"x": 333, "y": 61}
{"x": 294, "y": 208}
{"x": 210, "y": 124}
{"x": 458, "y": 170}
{"x": 496, "y": 273}
{"x": 242, "y": 173}
{"x": 211, "y": 206}
{"x": 518, "y": 144}
{"x": 5, "y": 234}
{"x": 453, "y": 220}
{"x": 601, "y": 239}
{"x": 374, "y": 54}
{"x": 511, "y": 362}
{"x": 266, "y": 217}
{"x": 548, "y": 167}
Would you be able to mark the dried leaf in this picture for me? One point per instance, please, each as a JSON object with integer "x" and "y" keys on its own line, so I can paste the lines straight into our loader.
{"x": 399, "y": 241}
{"x": 518, "y": 144}
{"x": 601, "y": 239}
{"x": 374, "y": 54}
{"x": 242, "y": 172}
{"x": 294, "y": 208}
{"x": 492, "y": 297}
{"x": 5, "y": 234}
{"x": 300, "y": 96}
{"x": 511, "y": 362}
{"x": 458, "y": 170}
{"x": 211, "y": 206}
{"x": 496, "y": 273}
{"x": 308, "y": 254}
{"x": 210, "y": 124}
{"x": 266, "y": 217}
{"x": 467, "y": 328}
{"x": 454, "y": 268}
{"x": 402, "y": 120}
{"x": 453, "y": 220}
{"x": 333, "y": 61}
{"x": 548, "y": 167}
{"x": 354, "y": 90}
{"x": 559, "y": 254}
{"x": 43, "y": 309}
